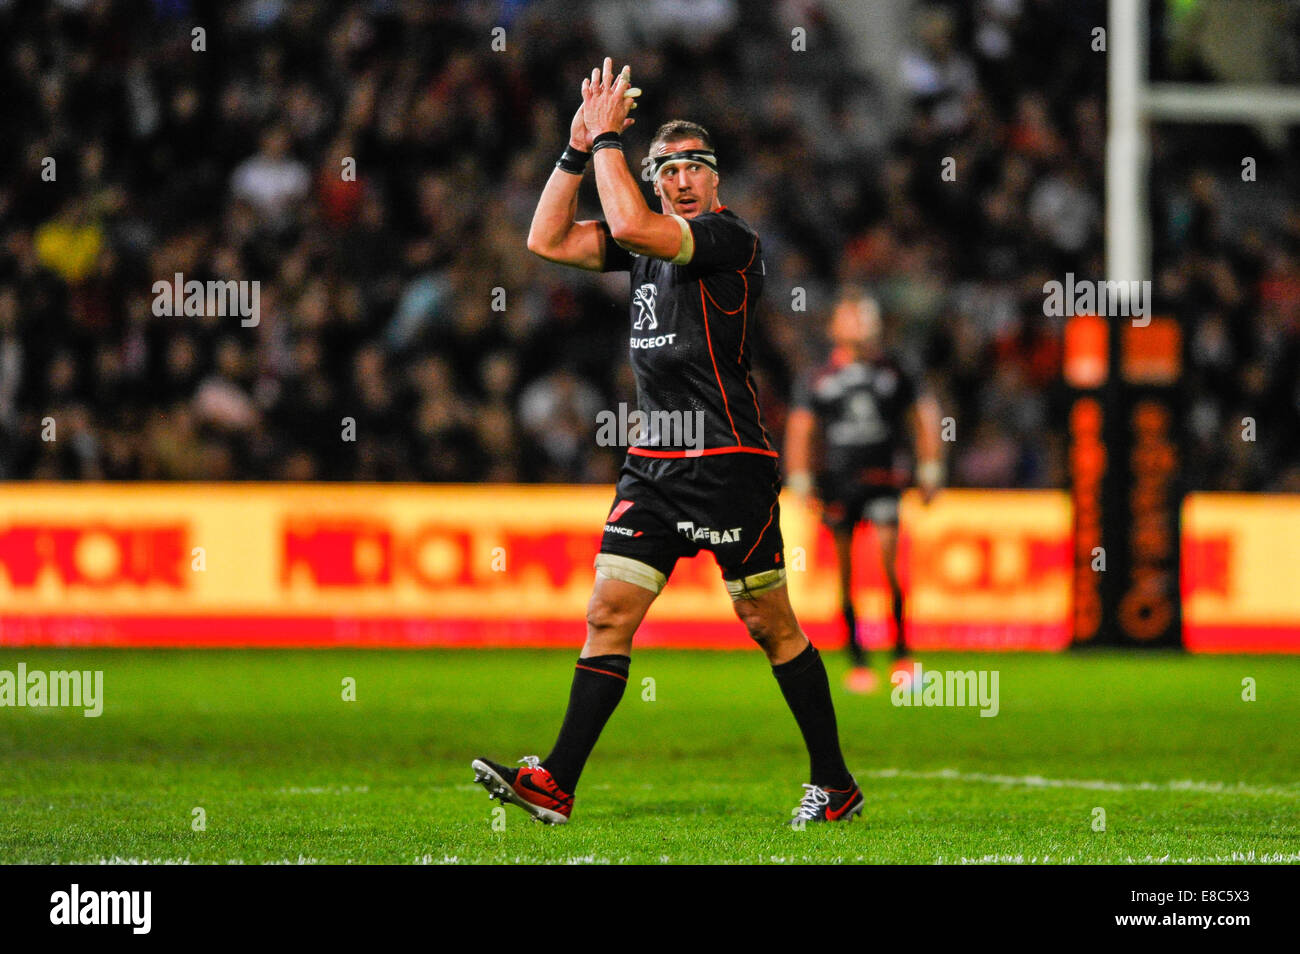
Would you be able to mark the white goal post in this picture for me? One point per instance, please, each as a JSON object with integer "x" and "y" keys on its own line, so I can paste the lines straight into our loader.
{"x": 1133, "y": 102}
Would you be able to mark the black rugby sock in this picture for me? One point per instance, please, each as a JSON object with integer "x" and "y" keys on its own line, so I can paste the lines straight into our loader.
{"x": 598, "y": 684}
{"x": 857, "y": 655}
{"x": 807, "y": 692}
{"x": 900, "y": 640}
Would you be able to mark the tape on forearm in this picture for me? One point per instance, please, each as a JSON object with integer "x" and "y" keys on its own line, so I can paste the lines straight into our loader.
{"x": 931, "y": 473}
{"x": 800, "y": 483}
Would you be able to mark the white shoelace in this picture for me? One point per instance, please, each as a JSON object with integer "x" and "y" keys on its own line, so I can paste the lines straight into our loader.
{"x": 531, "y": 761}
{"x": 814, "y": 797}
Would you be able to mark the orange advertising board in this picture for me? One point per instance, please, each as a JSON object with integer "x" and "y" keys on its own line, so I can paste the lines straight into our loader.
{"x": 1241, "y": 573}
{"x": 449, "y": 565}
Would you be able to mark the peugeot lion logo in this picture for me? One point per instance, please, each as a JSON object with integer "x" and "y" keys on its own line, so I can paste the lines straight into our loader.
{"x": 645, "y": 301}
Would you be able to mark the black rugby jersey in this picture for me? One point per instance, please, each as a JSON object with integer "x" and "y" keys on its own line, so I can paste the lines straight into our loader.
{"x": 691, "y": 331}
{"x": 862, "y": 408}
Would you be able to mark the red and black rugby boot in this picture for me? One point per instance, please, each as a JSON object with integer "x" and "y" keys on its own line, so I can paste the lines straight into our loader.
{"x": 530, "y": 787}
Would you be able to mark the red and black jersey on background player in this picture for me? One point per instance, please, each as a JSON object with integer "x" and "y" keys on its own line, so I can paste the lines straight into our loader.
{"x": 691, "y": 330}
{"x": 861, "y": 407}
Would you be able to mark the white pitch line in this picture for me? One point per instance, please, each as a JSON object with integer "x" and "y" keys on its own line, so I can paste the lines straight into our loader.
{"x": 1101, "y": 785}
{"x": 1237, "y": 857}
{"x": 130, "y": 860}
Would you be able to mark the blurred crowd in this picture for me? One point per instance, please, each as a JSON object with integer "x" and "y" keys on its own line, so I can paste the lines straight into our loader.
{"x": 375, "y": 165}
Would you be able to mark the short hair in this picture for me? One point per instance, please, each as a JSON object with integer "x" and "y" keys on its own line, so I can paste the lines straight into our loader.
{"x": 676, "y": 129}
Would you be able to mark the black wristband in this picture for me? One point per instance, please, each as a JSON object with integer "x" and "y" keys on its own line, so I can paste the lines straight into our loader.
{"x": 607, "y": 140}
{"x": 573, "y": 160}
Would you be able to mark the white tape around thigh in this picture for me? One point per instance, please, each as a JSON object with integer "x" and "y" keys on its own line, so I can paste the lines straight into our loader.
{"x": 611, "y": 566}
{"x": 756, "y": 584}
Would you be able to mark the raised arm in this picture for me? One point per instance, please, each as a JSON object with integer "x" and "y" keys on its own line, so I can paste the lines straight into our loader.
{"x": 554, "y": 235}
{"x": 631, "y": 222}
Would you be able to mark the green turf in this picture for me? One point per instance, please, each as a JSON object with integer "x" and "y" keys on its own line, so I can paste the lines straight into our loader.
{"x": 287, "y": 771}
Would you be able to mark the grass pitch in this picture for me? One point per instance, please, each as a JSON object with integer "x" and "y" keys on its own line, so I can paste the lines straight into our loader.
{"x": 285, "y": 770}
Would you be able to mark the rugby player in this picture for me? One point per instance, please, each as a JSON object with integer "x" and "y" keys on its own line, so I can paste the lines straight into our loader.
{"x": 860, "y": 404}
{"x": 696, "y": 274}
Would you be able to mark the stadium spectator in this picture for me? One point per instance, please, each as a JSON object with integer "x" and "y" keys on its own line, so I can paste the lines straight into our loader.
{"x": 232, "y": 166}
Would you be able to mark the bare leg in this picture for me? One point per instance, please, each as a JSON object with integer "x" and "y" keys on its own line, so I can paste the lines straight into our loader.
{"x": 614, "y": 612}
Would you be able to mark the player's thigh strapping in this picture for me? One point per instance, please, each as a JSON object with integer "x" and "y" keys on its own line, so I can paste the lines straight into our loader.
{"x": 668, "y": 508}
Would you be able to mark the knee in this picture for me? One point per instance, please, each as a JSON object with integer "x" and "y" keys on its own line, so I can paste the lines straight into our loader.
{"x": 610, "y": 623}
{"x": 764, "y": 628}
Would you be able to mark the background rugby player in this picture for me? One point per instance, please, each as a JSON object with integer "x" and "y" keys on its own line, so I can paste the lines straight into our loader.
{"x": 696, "y": 273}
{"x": 858, "y": 406}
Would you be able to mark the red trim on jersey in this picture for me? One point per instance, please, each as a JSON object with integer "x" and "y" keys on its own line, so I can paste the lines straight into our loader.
{"x": 744, "y": 324}
{"x": 743, "y": 308}
{"x": 708, "y": 452}
{"x": 758, "y": 417}
{"x": 744, "y": 318}
{"x": 743, "y": 302}
{"x": 708, "y": 338}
